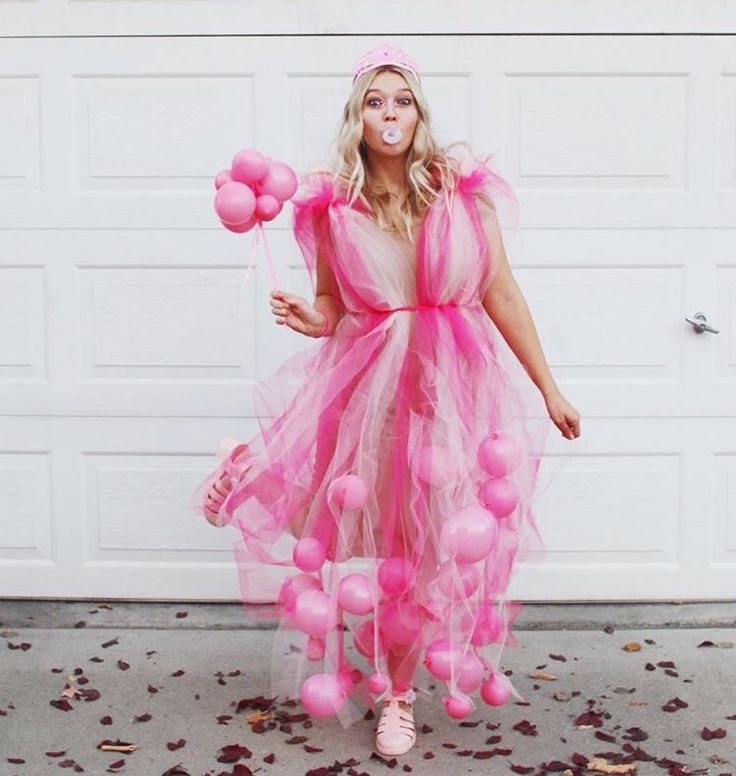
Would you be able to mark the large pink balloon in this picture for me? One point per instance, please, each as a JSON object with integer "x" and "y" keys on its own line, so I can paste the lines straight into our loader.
{"x": 499, "y": 453}
{"x": 309, "y": 554}
{"x": 399, "y": 622}
{"x": 396, "y": 575}
{"x": 363, "y": 638}
{"x": 280, "y": 181}
{"x": 313, "y": 613}
{"x": 458, "y": 585}
{"x": 348, "y": 491}
{"x": 322, "y": 695}
{"x": 499, "y": 495}
{"x": 357, "y": 594}
{"x": 235, "y": 203}
{"x": 488, "y": 625}
{"x": 249, "y": 166}
{"x": 469, "y": 533}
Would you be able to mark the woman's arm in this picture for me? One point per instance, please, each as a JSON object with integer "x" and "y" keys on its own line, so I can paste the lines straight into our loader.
{"x": 507, "y": 308}
{"x": 327, "y": 296}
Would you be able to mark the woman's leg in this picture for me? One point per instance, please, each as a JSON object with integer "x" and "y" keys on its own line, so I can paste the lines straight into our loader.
{"x": 402, "y": 663}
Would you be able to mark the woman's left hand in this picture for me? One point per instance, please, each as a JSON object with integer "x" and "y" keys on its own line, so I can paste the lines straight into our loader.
{"x": 563, "y": 415}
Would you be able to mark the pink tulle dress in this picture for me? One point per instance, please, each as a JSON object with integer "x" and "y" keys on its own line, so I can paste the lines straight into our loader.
{"x": 407, "y": 444}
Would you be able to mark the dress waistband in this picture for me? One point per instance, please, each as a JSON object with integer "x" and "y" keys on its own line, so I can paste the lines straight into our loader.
{"x": 414, "y": 307}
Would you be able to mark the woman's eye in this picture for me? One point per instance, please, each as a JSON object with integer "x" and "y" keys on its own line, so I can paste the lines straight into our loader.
{"x": 406, "y": 101}
{"x": 373, "y": 100}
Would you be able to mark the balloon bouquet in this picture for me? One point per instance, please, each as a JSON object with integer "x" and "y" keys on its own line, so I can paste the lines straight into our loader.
{"x": 252, "y": 191}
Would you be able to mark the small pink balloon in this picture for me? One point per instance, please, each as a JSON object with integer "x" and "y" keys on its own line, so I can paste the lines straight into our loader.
{"x": 364, "y": 638}
{"x": 457, "y": 707}
{"x": 235, "y": 203}
{"x": 357, "y": 594}
{"x": 460, "y": 585}
{"x": 322, "y": 695}
{"x": 436, "y": 467}
{"x": 395, "y": 575}
{"x": 488, "y": 625}
{"x": 377, "y": 683}
{"x": 280, "y": 181}
{"x": 315, "y": 648}
{"x": 469, "y": 533}
{"x": 222, "y": 177}
{"x": 499, "y": 453}
{"x": 470, "y": 673}
{"x": 399, "y": 622}
{"x": 495, "y": 691}
{"x": 499, "y": 495}
{"x": 348, "y": 491}
{"x": 309, "y": 554}
{"x": 248, "y": 166}
{"x": 313, "y": 613}
{"x": 293, "y": 586}
{"x": 241, "y": 228}
{"x": 267, "y": 207}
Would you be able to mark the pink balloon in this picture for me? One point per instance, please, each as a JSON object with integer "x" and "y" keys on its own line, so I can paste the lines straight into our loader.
{"x": 357, "y": 594}
{"x": 309, "y": 554}
{"x": 457, "y": 707}
{"x": 499, "y": 453}
{"x": 399, "y": 622}
{"x": 440, "y": 660}
{"x": 322, "y": 695}
{"x": 495, "y": 691}
{"x": 470, "y": 673}
{"x": 469, "y": 533}
{"x": 377, "y": 683}
{"x": 349, "y": 491}
{"x": 241, "y": 228}
{"x": 364, "y": 639}
{"x": 313, "y": 613}
{"x": 465, "y": 582}
{"x": 488, "y": 625}
{"x": 396, "y": 575}
{"x": 280, "y": 181}
{"x": 499, "y": 495}
{"x": 267, "y": 207}
{"x": 349, "y": 676}
{"x": 315, "y": 648}
{"x": 222, "y": 177}
{"x": 293, "y": 586}
{"x": 436, "y": 467}
{"x": 235, "y": 203}
{"x": 249, "y": 166}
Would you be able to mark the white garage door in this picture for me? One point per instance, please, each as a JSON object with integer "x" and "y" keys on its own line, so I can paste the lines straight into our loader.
{"x": 118, "y": 287}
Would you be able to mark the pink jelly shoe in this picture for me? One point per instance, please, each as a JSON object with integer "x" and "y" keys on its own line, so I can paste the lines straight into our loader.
{"x": 396, "y": 733}
{"x": 220, "y": 488}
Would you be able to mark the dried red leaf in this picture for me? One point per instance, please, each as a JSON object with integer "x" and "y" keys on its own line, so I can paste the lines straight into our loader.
{"x": 526, "y": 728}
{"x": 180, "y": 672}
{"x": 708, "y": 735}
{"x": 142, "y": 717}
{"x": 520, "y": 769}
{"x": 106, "y": 720}
{"x": 674, "y": 704}
{"x": 232, "y": 753}
{"x": 179, "y": 615}
{"x": 110, "y": 643}
{"x": 62, "y": 705}
{"x": 172, "y": 746}
{"x": 123, "y": 666}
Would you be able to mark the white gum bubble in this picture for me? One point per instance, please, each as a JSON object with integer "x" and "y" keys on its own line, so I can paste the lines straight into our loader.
{"x": 392, "y": 135}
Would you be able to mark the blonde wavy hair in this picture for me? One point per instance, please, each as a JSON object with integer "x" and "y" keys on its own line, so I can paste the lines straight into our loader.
{"x": 429, "y": 171}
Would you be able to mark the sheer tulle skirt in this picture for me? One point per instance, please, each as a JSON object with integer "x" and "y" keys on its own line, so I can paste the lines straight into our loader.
{"x": 390, "y": 412}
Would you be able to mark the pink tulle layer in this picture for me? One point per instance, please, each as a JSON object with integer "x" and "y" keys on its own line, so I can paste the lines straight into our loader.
{"x": 377, "y": 446}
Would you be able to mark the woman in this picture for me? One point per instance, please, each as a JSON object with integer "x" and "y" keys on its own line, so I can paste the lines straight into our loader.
{"x": 410, "y": 438}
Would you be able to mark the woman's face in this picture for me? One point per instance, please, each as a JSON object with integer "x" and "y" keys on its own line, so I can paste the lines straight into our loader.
{"x": 389, "y": 103}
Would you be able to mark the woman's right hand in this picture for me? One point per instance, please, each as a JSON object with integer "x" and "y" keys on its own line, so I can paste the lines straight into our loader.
{"x": 294, "y": 311}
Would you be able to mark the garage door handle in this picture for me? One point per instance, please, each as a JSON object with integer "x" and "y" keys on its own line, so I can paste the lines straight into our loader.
{"x": 699, "y": 323}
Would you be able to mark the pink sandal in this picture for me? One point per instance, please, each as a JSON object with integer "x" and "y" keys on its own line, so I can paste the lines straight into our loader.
{"x": 220, "y": 489}
{"x": 396, "y": 732}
